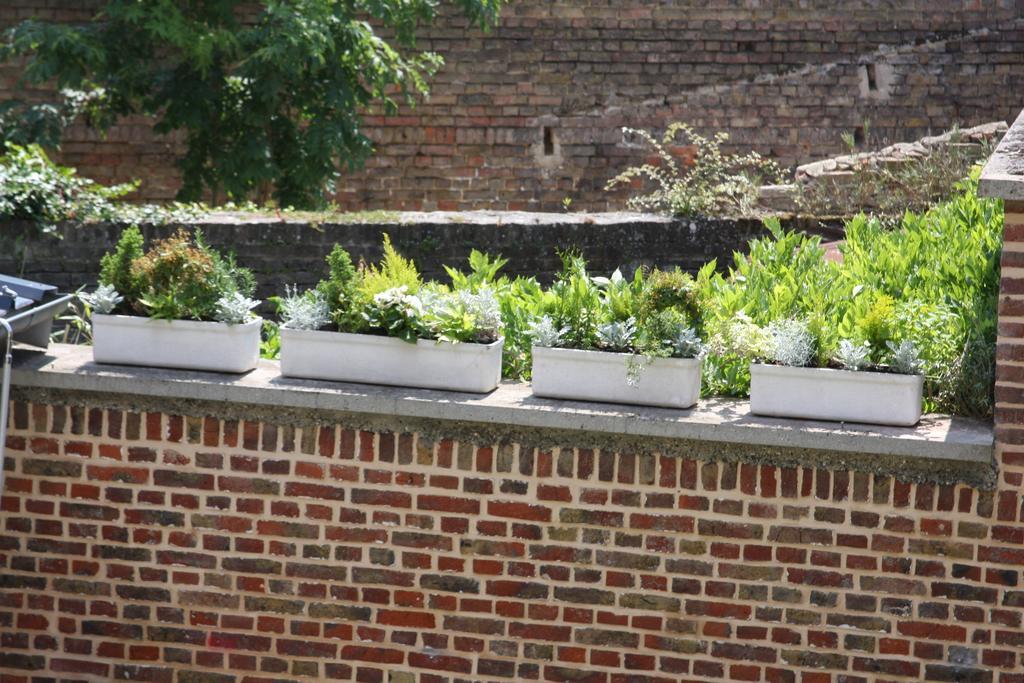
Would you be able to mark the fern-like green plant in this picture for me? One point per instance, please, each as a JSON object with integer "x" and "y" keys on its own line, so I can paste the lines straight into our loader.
{"x": 483, "y": 272}
{"x": 576, "y": 303}
{"x": 393, "y": 271}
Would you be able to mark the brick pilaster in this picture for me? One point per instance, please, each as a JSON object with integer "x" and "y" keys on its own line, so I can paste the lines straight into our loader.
{"x": 1009, "y": 414}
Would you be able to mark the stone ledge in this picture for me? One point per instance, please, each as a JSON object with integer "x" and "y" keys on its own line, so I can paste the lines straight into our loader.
{"x": 1003, "y": 175}
{"x": 944, "y": 440}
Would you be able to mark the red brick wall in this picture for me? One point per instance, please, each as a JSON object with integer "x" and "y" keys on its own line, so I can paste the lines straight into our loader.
{"x": 1009, "y": 414}
{"x": 784, "y": 78}
{"x": 151, "y": 546}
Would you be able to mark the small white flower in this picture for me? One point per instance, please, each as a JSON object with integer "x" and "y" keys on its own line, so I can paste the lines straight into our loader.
{"x": 397, "y": 298}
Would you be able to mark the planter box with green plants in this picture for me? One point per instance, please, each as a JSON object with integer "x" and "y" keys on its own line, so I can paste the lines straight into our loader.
{"x": 854, "y": 389}
{"x": 618, "y": 341}
{"x": 384, "y": 325}
{"x": 904, "y": 323}
{"x": 178, "y": 305}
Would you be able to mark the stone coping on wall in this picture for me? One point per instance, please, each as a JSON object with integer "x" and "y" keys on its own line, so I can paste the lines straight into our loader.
{"x": 1003, "y": 175}
{"x": 493, "y": 219}
{"x": 956, "y": 448}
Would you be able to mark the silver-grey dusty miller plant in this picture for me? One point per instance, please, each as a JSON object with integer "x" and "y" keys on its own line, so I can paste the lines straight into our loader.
{"x": 544, "y": 333}
{"x": 235, "y": 309}
{"x": 792, "y": 343}
{"x": 104, "y": 300}
{"x": 306, "y": 311}
{"x": 853, "y": 356}
{"x": 618, "y": 335}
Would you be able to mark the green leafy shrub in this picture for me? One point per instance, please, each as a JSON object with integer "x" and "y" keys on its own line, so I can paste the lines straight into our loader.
{"x": 116, "y": 267}
{"x": 716, "y": 183}
{"x": 390, "y": 298}
{"x": 519, "y": 301}
{"x": 178, "y": 278}
{"x": 340, "y": 291}
{"x": 651, "y": 315}
{"x": 921, "y": 296}
{"x": 575, "y": 303}
{"x": 35, "y": 189}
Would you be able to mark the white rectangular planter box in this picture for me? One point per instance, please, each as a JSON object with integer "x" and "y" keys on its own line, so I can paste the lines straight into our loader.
{"x": 184, "y": 344}
{"x": 373, "y": 359}
{"x": 603, "y": 376}
{"x": 837, "y": 395}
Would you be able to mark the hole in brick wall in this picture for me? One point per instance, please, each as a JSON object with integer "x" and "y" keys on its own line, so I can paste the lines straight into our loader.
{"x": 858, "y": 135}
{"x": 631, "y": 139}
{"x": 549, "y": 141}
{"x": 871, "y": 77}
{"x": 745, "y": 46}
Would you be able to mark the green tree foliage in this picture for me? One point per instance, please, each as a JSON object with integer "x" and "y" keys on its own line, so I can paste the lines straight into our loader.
{"x": 268, "y": 94}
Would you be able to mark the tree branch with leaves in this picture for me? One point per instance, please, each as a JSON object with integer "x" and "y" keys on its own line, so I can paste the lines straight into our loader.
{"x": 268, "y": 94}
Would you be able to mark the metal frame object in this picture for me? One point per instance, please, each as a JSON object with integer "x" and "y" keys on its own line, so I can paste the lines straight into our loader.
{"x": 5, "y": 391}
{"x": 30, "y": 325}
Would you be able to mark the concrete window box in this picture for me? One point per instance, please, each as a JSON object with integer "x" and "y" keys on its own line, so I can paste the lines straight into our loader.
{"x": 372, "y": 359}
{"x": 182, "y": 344}
{"x": 603, "y": 376}
{"x": 836, "y": 395}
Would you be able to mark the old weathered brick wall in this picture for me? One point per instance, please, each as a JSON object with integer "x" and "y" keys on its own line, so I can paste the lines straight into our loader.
{"x": 152, "y": 545}
{"x": 530, "y": 114}
{"x": 292, "y": 253}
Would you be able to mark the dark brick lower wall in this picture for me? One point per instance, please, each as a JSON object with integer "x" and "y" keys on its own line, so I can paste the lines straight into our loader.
{"x": 293, "y": 253}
